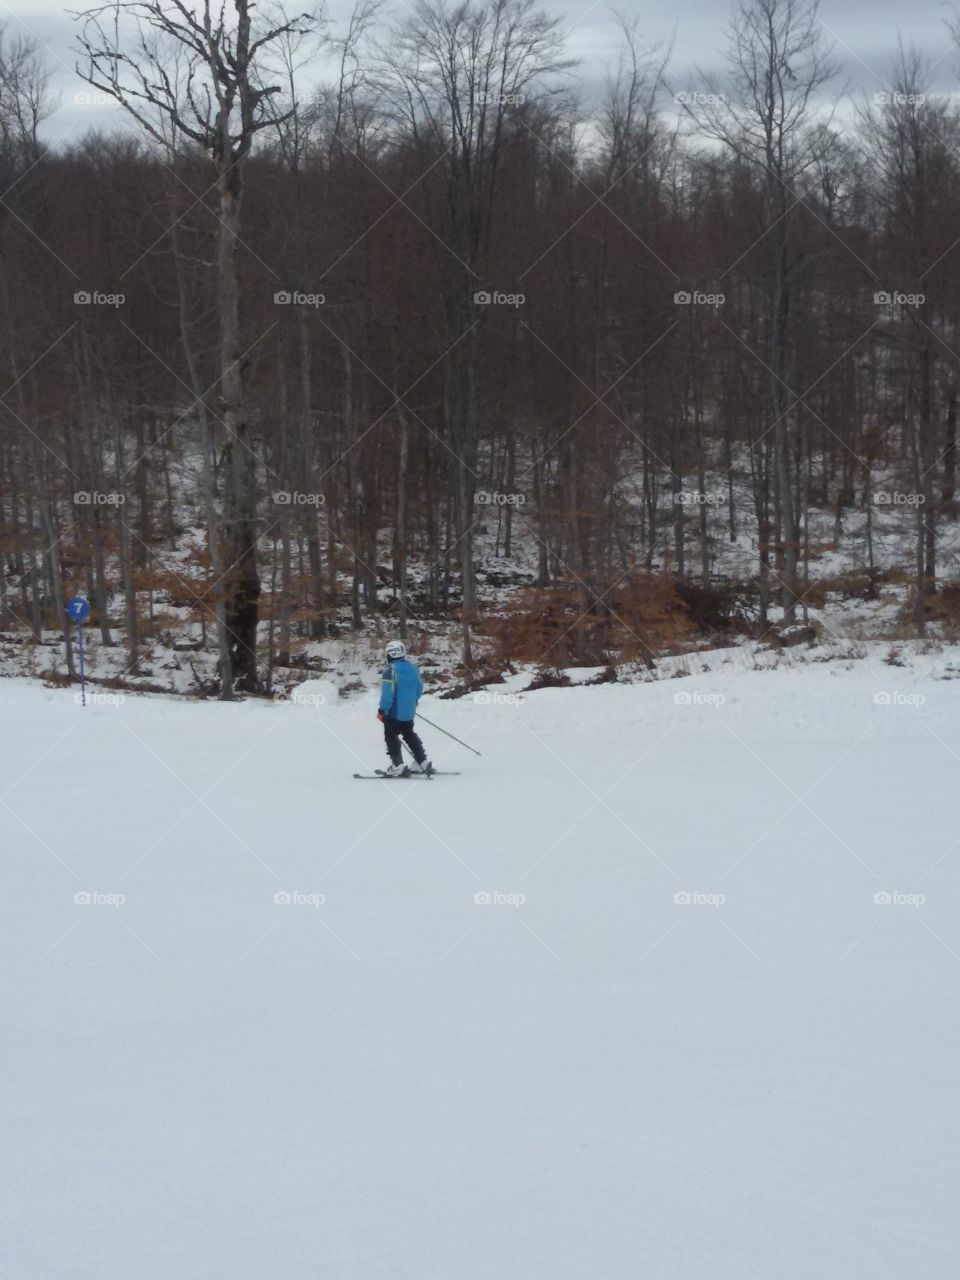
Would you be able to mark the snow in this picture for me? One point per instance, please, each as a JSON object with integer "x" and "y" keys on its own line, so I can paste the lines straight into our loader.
{"x": 178, "y": 655}
{"x": 384, "y": 1078}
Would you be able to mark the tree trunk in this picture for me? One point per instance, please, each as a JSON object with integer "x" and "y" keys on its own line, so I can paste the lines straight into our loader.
{"x": 241, "y": 579}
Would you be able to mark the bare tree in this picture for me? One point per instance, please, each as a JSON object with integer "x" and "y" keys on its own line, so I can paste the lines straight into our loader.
{"x": 25, "y": 100}
{"x": 763, "y": 111}
{"x": 455, "y": 75}
{"x": 913, "y": 142}
{"x": 221, "y": 108}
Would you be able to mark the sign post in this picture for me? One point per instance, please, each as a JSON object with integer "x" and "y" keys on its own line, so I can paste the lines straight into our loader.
{"x": 78, "y": 608}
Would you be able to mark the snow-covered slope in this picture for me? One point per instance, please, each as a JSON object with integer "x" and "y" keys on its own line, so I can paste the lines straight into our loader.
{"x": 700, "y": 1023}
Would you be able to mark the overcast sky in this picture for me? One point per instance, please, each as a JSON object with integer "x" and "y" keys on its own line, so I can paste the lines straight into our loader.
{"x": 864, "y": 32}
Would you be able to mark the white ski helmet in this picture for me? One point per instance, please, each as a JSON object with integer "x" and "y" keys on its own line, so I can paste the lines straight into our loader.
{"x": 395, "y": 649}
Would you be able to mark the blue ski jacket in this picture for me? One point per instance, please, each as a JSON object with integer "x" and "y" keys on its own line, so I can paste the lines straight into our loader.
{"x": 400, "y": 689}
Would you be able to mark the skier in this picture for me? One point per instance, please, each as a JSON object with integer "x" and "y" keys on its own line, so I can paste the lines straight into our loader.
{"x": 399, "y": 694}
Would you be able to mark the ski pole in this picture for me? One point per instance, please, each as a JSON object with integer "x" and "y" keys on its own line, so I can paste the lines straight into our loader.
{"x": 449, "y": 735}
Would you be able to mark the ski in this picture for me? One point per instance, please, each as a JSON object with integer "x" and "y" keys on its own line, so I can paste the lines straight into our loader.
{"x": 411, "y": 773}
{"x": 381, "y": 776}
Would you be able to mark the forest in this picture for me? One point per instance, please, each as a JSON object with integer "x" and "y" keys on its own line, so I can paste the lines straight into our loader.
{"x": 438, "y": 339}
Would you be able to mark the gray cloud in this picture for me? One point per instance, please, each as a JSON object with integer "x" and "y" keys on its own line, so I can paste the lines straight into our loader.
{"x": 865, "y": 34}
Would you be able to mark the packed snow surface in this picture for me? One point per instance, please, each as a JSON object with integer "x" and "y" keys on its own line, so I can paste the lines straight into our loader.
{"x": 665, "y": 985}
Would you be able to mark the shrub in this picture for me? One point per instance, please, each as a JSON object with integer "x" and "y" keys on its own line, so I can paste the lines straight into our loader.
{"x": 562, "y": 626}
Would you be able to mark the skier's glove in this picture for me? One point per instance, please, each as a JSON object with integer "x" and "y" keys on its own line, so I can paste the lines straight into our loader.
{"x": 380, "y": 716}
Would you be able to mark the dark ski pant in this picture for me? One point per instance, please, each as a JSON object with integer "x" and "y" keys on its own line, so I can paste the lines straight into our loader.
{"x": 393, "y": 731}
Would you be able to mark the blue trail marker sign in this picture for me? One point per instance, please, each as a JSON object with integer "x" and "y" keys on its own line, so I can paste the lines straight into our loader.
{"x": 78, "y": 609}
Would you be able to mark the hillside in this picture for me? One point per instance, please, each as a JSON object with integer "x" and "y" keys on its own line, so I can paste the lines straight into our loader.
{"x": 663, "y": 984}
